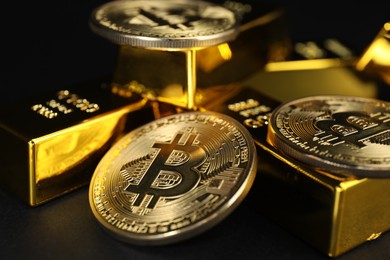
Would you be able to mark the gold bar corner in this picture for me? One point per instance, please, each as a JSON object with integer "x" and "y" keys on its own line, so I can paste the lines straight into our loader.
{"x": 40, "y": 165}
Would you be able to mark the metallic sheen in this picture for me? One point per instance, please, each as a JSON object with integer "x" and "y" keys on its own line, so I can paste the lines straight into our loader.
{"x": 173, "y": 178}
{"x": 53, "y": 141}
{"x": 164, "y": 24}
{"x": 345, "y": 134}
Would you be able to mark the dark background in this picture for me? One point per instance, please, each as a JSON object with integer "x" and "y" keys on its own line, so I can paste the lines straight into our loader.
{"x": 48, "y": 45}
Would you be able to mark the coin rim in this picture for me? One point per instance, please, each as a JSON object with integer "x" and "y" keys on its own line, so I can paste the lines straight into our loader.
{"x": 163, "y": 43}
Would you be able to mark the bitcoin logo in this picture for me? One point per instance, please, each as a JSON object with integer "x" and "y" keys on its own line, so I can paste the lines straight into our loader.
{"x": 164, "y": 177}
{"x": 353, "y": 128}
{"x": 349, "y": 135}
{"x": 173, "y": 178}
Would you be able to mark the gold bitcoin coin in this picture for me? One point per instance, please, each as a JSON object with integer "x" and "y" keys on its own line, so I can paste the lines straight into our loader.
{"x": 173, "y": 178}
{"x": 349, "y": 135}
{"x": 175, "y": 24}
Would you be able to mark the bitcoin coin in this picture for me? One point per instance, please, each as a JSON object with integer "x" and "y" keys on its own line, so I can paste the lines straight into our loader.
{"x": 345, "y": 134}
{"x": 164, "y": 24}
{"x": 173, "y": 178}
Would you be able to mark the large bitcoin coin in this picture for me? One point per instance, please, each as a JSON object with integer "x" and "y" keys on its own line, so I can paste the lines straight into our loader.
{"x": 165, "y": 24}
{"x": 349, "y": 135}
{"x": 173, "y": 178}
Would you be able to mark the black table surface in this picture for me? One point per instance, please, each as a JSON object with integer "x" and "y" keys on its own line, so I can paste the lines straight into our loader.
{"x": 49, "y": 45}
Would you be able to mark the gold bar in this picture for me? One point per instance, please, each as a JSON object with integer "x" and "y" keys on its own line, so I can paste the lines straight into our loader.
{"x": 332, "y": 213}
{"x": 375, "y": 60}
{"x": 263, "y": 38}
{"x": 51, "y": 143}
{"x": 284, "y": 85}
{"x": 163, "y": 72}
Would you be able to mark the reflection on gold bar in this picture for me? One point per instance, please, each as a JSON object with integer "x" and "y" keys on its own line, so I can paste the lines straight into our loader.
{"x": 51, "y": 144}
{"x": 332, "y": 213}
{"x": 163, "y": 72}
{"x": 284, "y": 85}
{"x": 305, "y": 64}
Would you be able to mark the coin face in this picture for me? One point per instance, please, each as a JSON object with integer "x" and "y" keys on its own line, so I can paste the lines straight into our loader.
{"x": 173, "y": 178}
{"x": 350, "y": 135}
{"x": 164, "y": 24}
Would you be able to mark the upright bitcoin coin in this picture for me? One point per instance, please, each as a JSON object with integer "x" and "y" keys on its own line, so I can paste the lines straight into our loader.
{"x": 164, "y": 24}
{"x": 173, "y": 178}
{"x": 350, "y": 135}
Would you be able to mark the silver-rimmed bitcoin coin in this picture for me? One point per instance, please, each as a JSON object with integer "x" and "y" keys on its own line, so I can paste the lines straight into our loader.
{"x": 173, "y": 178}
{"x": 350, "y": 135}
{"x": 164, "y": 24}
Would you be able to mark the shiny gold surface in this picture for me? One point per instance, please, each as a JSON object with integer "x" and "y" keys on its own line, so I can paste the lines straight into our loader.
{"x": 286, "y": 84}
{"x": 162, "y": 72}
{"x": 210, "y": 58}
{"x": 305, "y": 64}
{"x": 62, "y": 150}
{"x": 375, "y": 60}
{"x": 333, "y": 215}
{"x": 53, "y": 150}
{"x": 191, "y": 78}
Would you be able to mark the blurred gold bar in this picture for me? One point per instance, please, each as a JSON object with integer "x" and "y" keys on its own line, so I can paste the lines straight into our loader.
{"x": 375, "y": 60}
{"x": 263, "y": 38}
{"x": 51, "y": 143}
{"x": 332, "y": 213}
{"x": 305, "y": 64}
